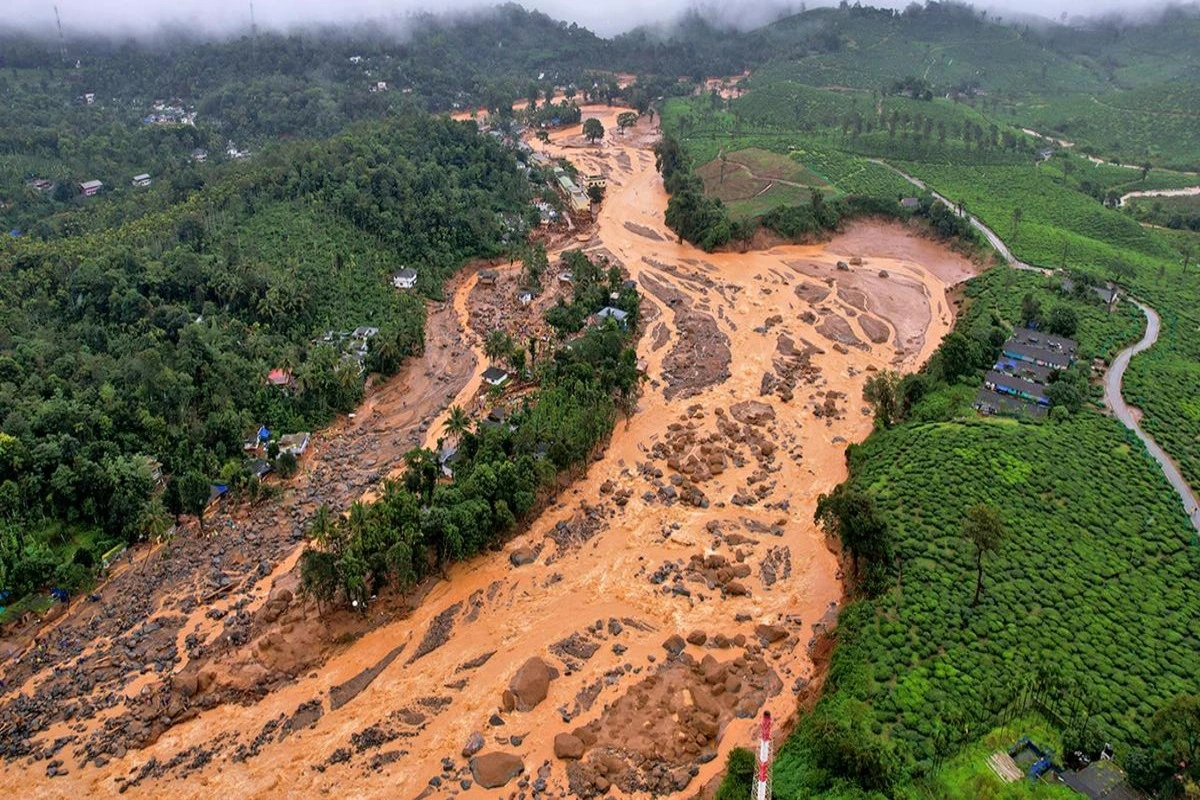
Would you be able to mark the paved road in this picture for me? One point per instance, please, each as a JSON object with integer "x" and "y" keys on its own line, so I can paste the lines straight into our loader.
{"x": 1122, "y": 411}
{"x": 1116, "y": 373}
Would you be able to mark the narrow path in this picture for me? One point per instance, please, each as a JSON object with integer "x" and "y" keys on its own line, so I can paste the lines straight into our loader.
{"x": 1113, "y": 398}
{"x": 1122, "y": 411}
{"x": 994, "y": 240}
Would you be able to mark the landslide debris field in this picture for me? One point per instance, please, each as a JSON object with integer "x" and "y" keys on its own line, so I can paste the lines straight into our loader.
{"x": 623, "y": 644}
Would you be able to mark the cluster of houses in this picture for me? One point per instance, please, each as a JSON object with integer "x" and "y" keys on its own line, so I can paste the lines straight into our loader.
{"x": 1017, "y": 382}
{"x": 353, "y": 345}
{"x": 169, "y": 113}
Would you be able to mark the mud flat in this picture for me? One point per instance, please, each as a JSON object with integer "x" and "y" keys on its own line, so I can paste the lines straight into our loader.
{"x": 629, "y": 638}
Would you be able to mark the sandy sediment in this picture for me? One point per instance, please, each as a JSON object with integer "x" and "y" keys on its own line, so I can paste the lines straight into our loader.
{"x": 670, "y": 595}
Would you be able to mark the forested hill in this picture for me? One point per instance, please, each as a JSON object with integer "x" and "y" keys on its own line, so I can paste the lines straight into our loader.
{"x": 154, "y": 339}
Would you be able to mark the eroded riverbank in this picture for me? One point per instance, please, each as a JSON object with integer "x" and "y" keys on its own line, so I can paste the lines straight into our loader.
{"x": 674, "y": 588}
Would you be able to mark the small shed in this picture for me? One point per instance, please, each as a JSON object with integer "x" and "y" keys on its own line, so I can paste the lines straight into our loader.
{"x": 910, "y": 202}
{"x": 488, "y": 276}
{"x": 524, "y": 297}
{"x": 495, "y": 376}
{"x": 141, "y": 180}
{"x": 280, "y": 377}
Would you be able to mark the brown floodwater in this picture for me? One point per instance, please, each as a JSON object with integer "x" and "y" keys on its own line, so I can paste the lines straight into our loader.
{"x": 599, "y": 567}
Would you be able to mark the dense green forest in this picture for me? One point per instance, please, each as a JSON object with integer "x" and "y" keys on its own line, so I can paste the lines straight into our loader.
{"x": 153, "y": 340}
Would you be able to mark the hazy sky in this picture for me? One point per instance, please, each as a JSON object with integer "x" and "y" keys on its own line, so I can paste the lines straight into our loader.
{"x": 604, "y": 16}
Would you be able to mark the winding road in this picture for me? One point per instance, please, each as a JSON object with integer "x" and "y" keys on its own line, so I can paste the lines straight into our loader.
{"x": 1122, "y": 411}
{"x": 1113, "y": 399}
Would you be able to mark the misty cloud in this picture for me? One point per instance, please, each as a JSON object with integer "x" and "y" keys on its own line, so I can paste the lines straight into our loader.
{"x": 608, "y": 17}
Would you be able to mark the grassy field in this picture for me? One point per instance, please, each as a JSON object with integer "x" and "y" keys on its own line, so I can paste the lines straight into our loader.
{"x": 754, "y": 180}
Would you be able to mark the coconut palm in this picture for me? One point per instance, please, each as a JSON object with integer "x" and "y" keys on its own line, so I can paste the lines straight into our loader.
{"x": 458, "y": 422}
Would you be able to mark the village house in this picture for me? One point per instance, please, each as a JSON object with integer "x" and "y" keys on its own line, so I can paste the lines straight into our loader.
{"x": 294, "y": 443}
{"x": 141, "y": 180}
{"x": 595, "y": 180}
{"x": 488, "y": 277}
{"x": 378, "y": 86}
{"x": 199, "y": 155}
{"x": 215, "y": 493}
{"x": 448, "y": 456}
{"x": 405, "y": 279}
{"x": 40, "y": 184}
{"x": 155, "y": 468}
{"x": 259, "y": 468}
{"x": 910, "y": 202}
{"x": 609, "y": 312}
{"x": 281, "y": 378}
{"x": 90, "y": 188}
{"x": 89, "y": 98}
{"x": 525, "y": 297}
{"x": 495, "y": 376}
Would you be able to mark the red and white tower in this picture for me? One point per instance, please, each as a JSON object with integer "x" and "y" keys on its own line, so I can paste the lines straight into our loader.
{"x": 762, "y": 776}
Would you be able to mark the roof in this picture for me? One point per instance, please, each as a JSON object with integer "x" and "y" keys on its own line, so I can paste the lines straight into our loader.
{"x": 1060, "y": 360}
{"x": 91, "y": 184}
{"x": 994, "y": 402}
{"x": 494, "y": 374}
{"x": 1018, "y": 385}
{"x": 145, "y": 176}
{"x": 615, "y": 313}
{"x": 407, "y": 274}
{"x": 279, "y": 377}
{"x": 1025, "y": 369}
{"x": 259, "y": 467}
{"x": 489, "y": 273}
{"x": 1102, "y": 780}
{"x": 910, "y": 202}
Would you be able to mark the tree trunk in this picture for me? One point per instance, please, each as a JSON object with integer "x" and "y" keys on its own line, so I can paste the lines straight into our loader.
{"x": 978, "y": 579}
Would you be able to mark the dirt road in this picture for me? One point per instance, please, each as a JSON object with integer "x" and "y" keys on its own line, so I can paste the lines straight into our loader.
{"x": 672, "y": 592}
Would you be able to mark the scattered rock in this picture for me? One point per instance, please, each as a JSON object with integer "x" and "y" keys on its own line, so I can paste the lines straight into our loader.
{"x": 567, "y": 746}
{"x": 493, "y": 770}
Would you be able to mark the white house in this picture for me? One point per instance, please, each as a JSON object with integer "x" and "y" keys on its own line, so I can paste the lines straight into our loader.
{"x": 494, "y": 376}
{"x": 141, "y": 180}
{"x": 294, "y": 443}
{"x": 405, "y": 278}
{"x": 525, "y": 297}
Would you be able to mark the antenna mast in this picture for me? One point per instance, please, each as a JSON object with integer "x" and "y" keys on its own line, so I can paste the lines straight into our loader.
{"x": 762, "y": 775}
{"x": 62, "y": 40}
{"x": 253, "y": 25}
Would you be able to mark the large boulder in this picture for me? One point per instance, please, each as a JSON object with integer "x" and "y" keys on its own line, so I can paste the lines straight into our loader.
{"x": 522, "y": 556}
{"x": 529, "y": 685}
{"x": 493, "y": 770}
{"x": 567, "y": 745}
{"x": 674, "y": 644}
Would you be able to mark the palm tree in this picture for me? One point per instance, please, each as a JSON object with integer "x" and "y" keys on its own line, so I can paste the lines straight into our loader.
{"x": 497, "y": 345}
{"x": 458, "y": 422}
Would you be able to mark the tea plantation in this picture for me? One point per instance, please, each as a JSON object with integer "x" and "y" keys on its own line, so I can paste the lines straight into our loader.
{"x": 1094, "y": 588}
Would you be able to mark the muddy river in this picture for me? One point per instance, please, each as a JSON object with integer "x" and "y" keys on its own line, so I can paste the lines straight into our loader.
{"x": 667, "y": 596}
